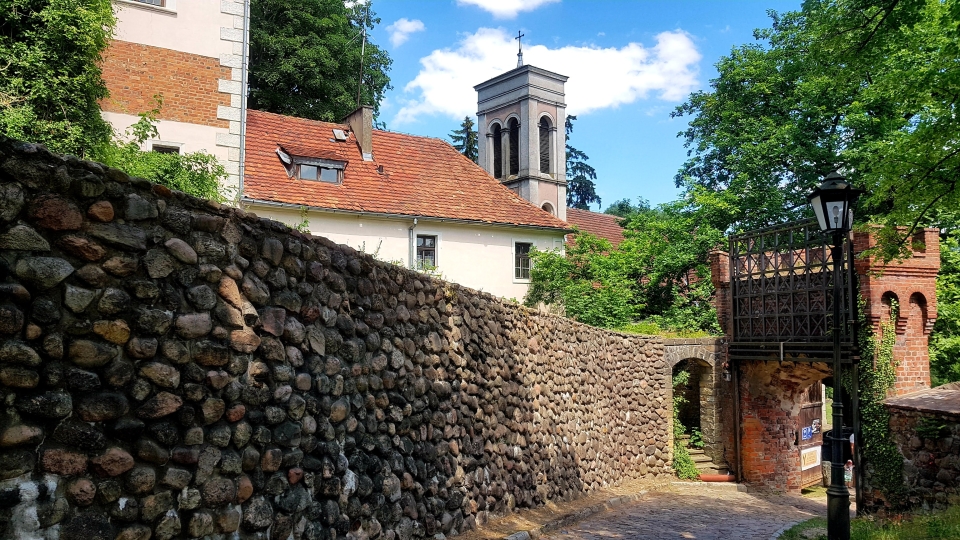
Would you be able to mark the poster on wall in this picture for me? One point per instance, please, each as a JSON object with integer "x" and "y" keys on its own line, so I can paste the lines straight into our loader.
{"x": 809, "y": 458}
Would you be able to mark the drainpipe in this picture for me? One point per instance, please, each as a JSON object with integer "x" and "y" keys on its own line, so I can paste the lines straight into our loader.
{"x": 412, "y": 254}
{"x": 245, "y": 69}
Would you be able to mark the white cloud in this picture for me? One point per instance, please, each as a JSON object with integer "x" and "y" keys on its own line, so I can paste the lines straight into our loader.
{"x": 599, "y": 77}
{"x": 401, "y": 29}
{"x": 506, "y": 9}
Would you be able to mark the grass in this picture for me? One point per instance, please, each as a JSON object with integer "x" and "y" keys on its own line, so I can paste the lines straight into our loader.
{"x": 647, "y": 328}
{"x": 939, "y": 525}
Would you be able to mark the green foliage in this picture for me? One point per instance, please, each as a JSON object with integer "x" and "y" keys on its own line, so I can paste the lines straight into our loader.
{"x": 940, "y": 525}
{"x": 50, "y": 81}
{"x": 581, "y": 177}
{"x": 465, "y": 140}
{"x": 304, "y": 225}
{"x": 659, "y": 276}
{"x": 197, "y": 173}
{"x": 305, "y": 58}
{"x": 588, "y": 282}
{"x": 930, "y": 428}
{"x": 868, "y": 86}
{"x": 625, "y": 209}
{"x": 696, "y": 438}
{"x": 683, "y": 464}
{"x": 945, "y": 339}
{"x": 877, "y": 376}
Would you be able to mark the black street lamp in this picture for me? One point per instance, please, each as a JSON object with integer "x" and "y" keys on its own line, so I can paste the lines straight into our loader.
{"x": 833, "y": 202}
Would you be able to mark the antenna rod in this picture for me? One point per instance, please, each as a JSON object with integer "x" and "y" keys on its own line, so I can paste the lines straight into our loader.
{"x": 363, "y": 45}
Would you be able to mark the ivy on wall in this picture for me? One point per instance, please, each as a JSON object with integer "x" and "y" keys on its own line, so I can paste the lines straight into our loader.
{"x": 877, "y": 376}
{"x": 683, "y": 464}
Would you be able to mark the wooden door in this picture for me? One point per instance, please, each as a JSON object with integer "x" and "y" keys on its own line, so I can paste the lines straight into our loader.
{"x": 811, "y": 434}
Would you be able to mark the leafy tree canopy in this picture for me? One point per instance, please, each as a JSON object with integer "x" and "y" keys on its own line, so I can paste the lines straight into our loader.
{"x": 624, "y": 208}
{"x": 869, "y": 87}
{"x": 305, "y": 58}
{"x": 581, "y": 189}
{"x": 465, "y": 139}
{"x": 50, "y": 79}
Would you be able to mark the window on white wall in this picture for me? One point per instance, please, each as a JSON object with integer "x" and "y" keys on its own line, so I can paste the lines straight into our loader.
{"x": 426, "y": 252}
{"x": 521, "y": 264}
{"x": 158, "y": 3}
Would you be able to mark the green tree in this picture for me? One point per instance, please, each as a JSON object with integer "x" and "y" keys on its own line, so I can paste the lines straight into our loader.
{"x": 581, "y": 189}
{"x": 866, "y": 86}
{"x": 465, "y": 139}
{"x": 305, "y": 58}
{"x": 587, "y": 281}
{"x": 945, "y": 339}
{"x": 50, "y": 80}
{"x": 624, "y": 208}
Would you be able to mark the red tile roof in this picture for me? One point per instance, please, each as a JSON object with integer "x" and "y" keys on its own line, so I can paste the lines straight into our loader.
{"x": 602, "y": 225}
{"x": 422, "y": 176}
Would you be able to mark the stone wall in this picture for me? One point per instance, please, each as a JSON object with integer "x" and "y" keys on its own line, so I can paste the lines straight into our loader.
{"x": 173, "y": 368}
{"x": 925, "y": 427}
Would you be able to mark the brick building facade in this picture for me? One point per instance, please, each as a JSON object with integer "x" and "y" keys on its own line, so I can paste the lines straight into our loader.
{"x": 193, "y": 54}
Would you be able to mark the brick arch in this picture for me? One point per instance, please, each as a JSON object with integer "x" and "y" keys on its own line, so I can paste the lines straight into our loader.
{"x": 706, "y": 355}
{"x": 917, "y": 308}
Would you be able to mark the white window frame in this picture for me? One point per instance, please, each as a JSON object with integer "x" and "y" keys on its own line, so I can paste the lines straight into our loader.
{"x": 436, "y": 258}
{"x": 169, "y": 6}
{"x": 166, "y": 144}
{"x": 513, "y": 258}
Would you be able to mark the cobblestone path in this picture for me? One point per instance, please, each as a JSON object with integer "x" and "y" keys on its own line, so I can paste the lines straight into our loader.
{"x": 698, "y": 512}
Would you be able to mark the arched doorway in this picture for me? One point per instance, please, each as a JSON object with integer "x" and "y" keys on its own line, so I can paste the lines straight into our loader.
{"x": 694, "y": 387}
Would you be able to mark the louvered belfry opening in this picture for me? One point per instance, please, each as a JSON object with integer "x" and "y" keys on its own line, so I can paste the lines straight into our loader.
{"x": 781, "y": 285}
{"x": 497, "y": 151}
{"x": 514, "y": 129}
{"x": 544, "y": 145}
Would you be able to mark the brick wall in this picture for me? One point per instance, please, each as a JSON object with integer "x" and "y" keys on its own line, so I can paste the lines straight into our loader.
{"x": 134, "y": 73}
{"x": 913, "y": 284}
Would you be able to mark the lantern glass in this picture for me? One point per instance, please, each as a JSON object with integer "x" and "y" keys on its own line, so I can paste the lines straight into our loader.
{"x": 832, "y": 203}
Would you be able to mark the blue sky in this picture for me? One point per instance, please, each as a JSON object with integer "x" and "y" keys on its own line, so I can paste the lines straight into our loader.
{"x": 629, "y": 62}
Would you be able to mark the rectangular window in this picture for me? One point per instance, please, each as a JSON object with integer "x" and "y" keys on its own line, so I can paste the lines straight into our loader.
{"x": 426, "y": 252}
{"x": 158, "y": 3}
{"x": 316, "y": 172}
{"x": 163, "y": 149}
{"x": 521, "y": 265}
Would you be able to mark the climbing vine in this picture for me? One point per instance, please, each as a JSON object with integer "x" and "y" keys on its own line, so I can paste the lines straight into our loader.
{"x": 682, "y": 462}
{"x": 877, "y": 377}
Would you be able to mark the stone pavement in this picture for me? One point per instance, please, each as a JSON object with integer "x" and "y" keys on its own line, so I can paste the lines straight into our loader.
{"x": 697, "y": 511}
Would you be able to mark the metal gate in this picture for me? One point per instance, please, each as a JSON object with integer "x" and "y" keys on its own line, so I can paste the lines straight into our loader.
{"x": 811, "y": 434}
{"x": 781, "y": 284}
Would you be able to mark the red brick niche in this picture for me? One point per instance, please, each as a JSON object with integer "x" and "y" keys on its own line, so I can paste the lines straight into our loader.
{"x": 134, "y": 73}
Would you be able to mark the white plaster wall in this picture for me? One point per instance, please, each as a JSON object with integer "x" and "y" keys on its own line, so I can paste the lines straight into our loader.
{"x": 477, "y": 256}
{"x": 192, "y": 26}
{"x": 190, "y": 137}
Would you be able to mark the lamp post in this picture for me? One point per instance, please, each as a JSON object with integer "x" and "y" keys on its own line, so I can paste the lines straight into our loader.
{"x": 832, "y": 203}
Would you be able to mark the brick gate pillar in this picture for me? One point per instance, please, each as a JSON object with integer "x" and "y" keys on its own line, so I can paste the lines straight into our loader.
{"x": 912, "y": 283}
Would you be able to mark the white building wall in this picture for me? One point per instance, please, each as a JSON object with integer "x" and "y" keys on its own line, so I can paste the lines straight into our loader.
{"x": 212, "y": 28}
{"x": 477, "y": 256}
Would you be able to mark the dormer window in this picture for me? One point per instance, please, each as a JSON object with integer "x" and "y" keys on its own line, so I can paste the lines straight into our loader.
{"x": 314, "y": 169}
{"x": 319, "y": 173}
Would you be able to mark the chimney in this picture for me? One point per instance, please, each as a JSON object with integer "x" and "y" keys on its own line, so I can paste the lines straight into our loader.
{"x": 361, "y": 124}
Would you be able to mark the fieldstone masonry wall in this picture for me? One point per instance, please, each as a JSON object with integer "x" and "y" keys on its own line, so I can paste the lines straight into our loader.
{"x": 172, "y": 368}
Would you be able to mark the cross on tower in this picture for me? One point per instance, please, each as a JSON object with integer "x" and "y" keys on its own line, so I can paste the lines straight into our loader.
{"x": 519, "y": 48}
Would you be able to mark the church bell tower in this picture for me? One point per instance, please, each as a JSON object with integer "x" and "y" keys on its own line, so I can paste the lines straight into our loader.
{"x": 520, "y": 120}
